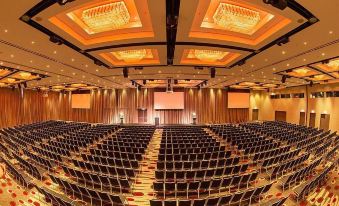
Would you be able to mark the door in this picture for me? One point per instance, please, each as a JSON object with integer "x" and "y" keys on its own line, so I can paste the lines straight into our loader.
{"x": 324, "y": 121}
{"x": 280, "y": 116}
{"x": 142, "y": 116}
{"x": 255, "y": 114}
{"x": 312, "y": 119}
{"x": 302, "y": 118}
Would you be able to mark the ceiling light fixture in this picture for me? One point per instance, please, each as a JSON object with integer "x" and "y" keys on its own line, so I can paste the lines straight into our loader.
{"x": 280, "y": 4}
{"x": 209, "y": 55}
{"x": 236, "y": 18}
{"x": 106, "y": 17}
{"x": 129, "y": 56}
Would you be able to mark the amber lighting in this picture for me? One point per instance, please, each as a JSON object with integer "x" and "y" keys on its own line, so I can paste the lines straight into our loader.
{"x": 236, "y": 18}
{"x": 10, "y": 80}
{"x": 302, "y": 72}
{"x": 25, "y": 75}
{"x": 78, "y": 85}
{"x": 43, "y": 88}
{"x": 90, "y": 87}
{"x": 332, "y": 66}
{"x": 70, "y": 88}
{"x": 258, "y": 88}
{"x": 2, "y": 84}
{"x": 106, "y": 17}
{"x": 58, "y": 87}
{"x": 4, "y": 72}
{"x": 207, "y": 55}
{"x": 320, "y": 77}
{"x": 204, "y": 56}
{"x": 105, "y": 21}
{"x": 136, "y": 56}
{"x": 239, "y": 87}
{"x": 132, "y": 55}
{"x": 247, "y": 84}
{"x": 236, "y": 21}
{"x": 269, "y": 85}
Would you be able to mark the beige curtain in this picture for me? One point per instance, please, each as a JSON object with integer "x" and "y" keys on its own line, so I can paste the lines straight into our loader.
{"x": 210, "y": 106}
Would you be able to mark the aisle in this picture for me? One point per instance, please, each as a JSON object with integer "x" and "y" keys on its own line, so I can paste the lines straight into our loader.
{"x": 142, "y": 191}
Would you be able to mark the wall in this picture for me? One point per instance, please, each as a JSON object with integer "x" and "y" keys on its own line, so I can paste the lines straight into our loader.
{"x": 210, "y": 106}
{"x": 293, "y": 106}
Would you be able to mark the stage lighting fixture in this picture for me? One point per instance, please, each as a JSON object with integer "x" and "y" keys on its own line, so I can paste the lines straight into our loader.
{"x": 132, "y": 82}
{"x": 139, "y": 87}
{"x": 283, "y": 40}
{"x": 125, "y": 72}
{"x": 325, "y": 61}
{"x": 63, "y": 2}
{"x": 144, "y": 81}
{"x": 283, "y": 79}
{"x": 242, "y": 62}
{"x": 280, "y": 4}
{"x": 311, "y": 83}
{"x": 97, "y": 62}
{"x": 175, "y": 81}
{"x": 138, "y": 68}
{"x": 56, "y": 40}
{"x": 212, "y": 70}
{"x": 25, "y": 84}
{"x": 19, "y": 86}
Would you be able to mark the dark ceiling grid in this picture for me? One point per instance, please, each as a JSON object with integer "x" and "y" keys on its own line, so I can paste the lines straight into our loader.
{"x": 172, "y": 13}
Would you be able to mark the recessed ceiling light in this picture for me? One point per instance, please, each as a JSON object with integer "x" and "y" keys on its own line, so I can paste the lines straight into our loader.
{"x": 305, "y": 43}
{"x": 86, "y": 65}
{"x": 304, "y": 60}
{"x": 330, "y": 32}
{"x": 283, "y": 52}
{"x": 12, "y": 55}
{"x": 61, "y": 70}
{"x": 322, "y": 54}
{"x": 73, "y": 73}
{"x": 252, "y": 65}
{"x": 266, "y": 60}
{"x": 274, "y": 69}
{"x": 287, "y": 65}
{"x": 72, "y": 60}
{"x": 55, "y": 52}
{"x": 97, "y": 70}
{"x": 47, "y": 66}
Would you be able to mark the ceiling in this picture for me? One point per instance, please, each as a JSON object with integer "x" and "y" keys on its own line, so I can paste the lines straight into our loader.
{"x": 181, "y": 40}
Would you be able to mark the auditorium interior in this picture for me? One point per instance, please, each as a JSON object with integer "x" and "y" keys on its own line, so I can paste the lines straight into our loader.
{"x": 169, "y": 103}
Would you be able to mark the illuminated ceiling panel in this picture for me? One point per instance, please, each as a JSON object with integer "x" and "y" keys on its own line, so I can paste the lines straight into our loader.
{"x": 209, "y": 57}
{"x": 235, "y": 21}
{"x": 105, "y": 21}
{"x": 9, "y": 80}
{"x": 134, "y": 56}
{"x": 24, "y": 76}
{"x": 332, "y": 66}
{"x": 319, "y": 77}
{"x": 335, "y": 74}
{"x": 4, "y": 72}
{"x": 247, "y": 84}
{"x": 302, "y": 72}
{"x": 239, "y": 87}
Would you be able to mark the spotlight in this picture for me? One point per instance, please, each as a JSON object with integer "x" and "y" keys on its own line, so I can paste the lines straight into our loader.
{"x": 125, "y": 72}
{"x": 311, "y": 83}
{"x": 144, "y": 81}
{"x": 99, "y": 63}
{"x": 132, "y": 82}
{"x": 19, "y": 86}
{"x": 25, "y": 84}
{"x": 56, "y": 40}
{"x": 212, "y": 70}
{"x": 283, "y": 79}
{"x": 283, "y": 40}
{"x": 280, "y": 4}
{"x": 325, "y": 61}
{"x": 242, "y": 62}
{"x": 175, "y": 81}
{"x": 138, "y": 68}
{"x": 139, "y": 87}
{"x": 63, "y": 2}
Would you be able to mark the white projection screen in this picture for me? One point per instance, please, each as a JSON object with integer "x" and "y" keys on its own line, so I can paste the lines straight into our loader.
{"x": 81, "y": 101}
{"x": 238, "y": 100}
{"x": 164, "y": 100}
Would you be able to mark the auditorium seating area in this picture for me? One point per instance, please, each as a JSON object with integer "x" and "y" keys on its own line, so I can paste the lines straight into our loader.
{"x": 207, "y": 165}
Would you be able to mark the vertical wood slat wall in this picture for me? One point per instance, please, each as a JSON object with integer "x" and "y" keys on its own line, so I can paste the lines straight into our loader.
{"x": 210, "y": 106}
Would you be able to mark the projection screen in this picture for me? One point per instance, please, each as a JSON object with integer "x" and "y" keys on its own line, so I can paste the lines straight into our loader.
{"x": 238, "y": 100}
{"x": 81, "y": 101}
{"x": 164, "y": 100}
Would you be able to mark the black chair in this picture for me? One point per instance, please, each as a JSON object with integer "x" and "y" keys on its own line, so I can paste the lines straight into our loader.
{"x": 184, "y": 202}
{"x": 212, "y": 201}
{"x": 170, "y": 203}
{"x": 199, "y": 202}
